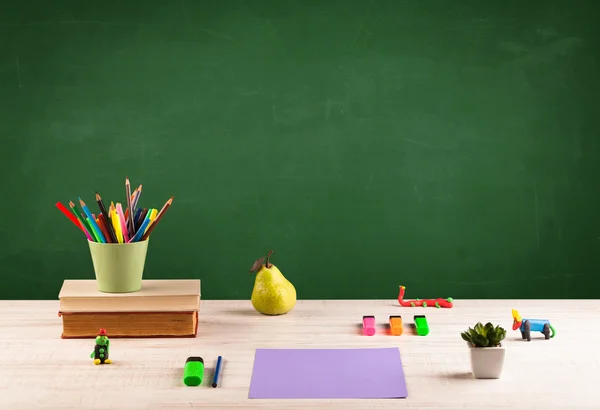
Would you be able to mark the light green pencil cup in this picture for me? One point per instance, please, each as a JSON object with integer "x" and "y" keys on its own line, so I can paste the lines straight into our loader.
{"x": 119, "y": 267}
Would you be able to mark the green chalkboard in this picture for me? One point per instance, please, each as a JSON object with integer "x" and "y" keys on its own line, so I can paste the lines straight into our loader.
{"x": 449, "y": 146}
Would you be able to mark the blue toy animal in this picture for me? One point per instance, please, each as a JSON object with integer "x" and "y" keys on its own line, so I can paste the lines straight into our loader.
{"x": 526, "y": 326}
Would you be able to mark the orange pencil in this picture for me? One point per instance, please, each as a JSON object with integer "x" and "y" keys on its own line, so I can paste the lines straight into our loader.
{"x": 136, "y": 199}
{"x": 102, "y": 224}
{"x": 160, "y": 215}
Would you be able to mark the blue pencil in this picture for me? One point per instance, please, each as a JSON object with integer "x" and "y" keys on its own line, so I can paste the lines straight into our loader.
{"x": 140, "y": 231}
{"x": 92, "y": 221}
{"x": 217, "y": 370}
{"x": 136, "y": 217}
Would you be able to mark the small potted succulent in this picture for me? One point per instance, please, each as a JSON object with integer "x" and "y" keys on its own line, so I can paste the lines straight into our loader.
{"x": 487, "y": 352}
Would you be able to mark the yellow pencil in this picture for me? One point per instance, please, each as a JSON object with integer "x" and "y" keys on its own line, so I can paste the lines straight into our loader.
{"x": 116, "y": 225}
{"x": 118, "y": 221}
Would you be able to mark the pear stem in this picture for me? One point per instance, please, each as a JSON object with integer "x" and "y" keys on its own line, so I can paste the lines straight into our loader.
{"x": 267, "y": 264}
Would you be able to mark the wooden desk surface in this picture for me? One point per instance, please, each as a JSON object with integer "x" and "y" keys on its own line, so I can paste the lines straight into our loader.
{"x": 40, "y": 370}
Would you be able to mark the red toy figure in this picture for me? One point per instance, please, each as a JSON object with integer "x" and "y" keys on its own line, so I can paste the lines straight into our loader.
{"x": 438, "y": 303}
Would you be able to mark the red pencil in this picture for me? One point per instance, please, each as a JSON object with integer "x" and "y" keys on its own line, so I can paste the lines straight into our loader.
{"x": 69, "y": 215}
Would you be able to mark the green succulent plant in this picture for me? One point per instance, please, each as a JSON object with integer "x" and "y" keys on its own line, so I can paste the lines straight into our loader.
{"x": 484, "y": 336}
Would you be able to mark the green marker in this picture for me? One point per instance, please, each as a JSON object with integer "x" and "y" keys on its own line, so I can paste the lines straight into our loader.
{"x": 193, "y": 371}
{"x": 421, "y": 325}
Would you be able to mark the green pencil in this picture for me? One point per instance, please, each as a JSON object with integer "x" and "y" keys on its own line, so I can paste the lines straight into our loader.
{"x": 83, "y": 221}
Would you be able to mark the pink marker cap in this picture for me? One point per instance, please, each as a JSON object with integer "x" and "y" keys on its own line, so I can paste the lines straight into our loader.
{"x": 369, "y": 325}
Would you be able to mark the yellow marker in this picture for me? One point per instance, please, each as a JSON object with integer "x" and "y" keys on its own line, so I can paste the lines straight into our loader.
{"x": 396, "y": 327}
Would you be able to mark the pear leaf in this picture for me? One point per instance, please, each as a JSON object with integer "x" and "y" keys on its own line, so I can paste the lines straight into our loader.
{"x": 257, "y": 265}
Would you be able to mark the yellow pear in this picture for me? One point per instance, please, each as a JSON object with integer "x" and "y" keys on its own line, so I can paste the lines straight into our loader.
{"x": 273, "y": 294}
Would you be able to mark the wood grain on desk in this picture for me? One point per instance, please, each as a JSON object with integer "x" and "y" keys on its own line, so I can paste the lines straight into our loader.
{"x": 40, "y": 370}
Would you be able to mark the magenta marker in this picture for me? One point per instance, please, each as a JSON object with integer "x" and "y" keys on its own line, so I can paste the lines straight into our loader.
{"x": 369, "y": 325}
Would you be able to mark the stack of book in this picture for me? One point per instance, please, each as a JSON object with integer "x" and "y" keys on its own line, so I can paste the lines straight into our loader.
{"x": 162, "y": 308}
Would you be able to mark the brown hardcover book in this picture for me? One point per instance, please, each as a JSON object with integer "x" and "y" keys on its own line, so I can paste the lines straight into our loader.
{"x": 83, "y": 325}
{"x": 162, "y": 308}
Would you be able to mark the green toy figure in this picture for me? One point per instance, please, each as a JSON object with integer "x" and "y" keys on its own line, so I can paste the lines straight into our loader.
{"x": 100, "y": 353}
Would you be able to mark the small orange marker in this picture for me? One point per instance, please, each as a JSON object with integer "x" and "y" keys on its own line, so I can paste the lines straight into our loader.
{"x": 396, "y": 327}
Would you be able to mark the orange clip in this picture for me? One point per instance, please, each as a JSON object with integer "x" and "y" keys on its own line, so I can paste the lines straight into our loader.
{"x": 396, "y": 327}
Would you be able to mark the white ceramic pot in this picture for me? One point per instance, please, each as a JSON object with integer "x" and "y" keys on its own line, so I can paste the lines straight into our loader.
{"x": 487, "y": 362}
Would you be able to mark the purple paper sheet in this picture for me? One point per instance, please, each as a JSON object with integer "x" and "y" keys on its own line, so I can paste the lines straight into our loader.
{"x": 327, "y": 374}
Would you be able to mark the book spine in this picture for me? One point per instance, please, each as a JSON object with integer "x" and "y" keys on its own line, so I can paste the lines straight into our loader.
{"x": 162, "y": 312}
{"x": 188, "y": 336}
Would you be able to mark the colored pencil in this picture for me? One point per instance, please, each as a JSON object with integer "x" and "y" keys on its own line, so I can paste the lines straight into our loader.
{"x": 108, "y": 224}
{"x": 100, "y": 221}
{"x": 132, "y": 198}
{"x": 69, "y": 215}
{"x": 87, "y": 225}
{"x": 105, "y": 224}
{"x": 122, "y": 223}
{"x": 136, "y": 199}
{"x": 140, "y": 231}
{"x": 141, "y": 227}
{"x": 116, "y": 224}
{"x": 145, "y": 213}
{"x": 112, "y": 225}
{"x": 136, "y": 218}
{"x": 130, "y": 219}
{"x": 140, "y": 219}
{"x": 112, "y": 210}
{"x": 92, "y": 221}
{"x": 127, "y": 208}
{"x": 82, "y": 222}
{"x": 94, "y": 233}
{"x": 158, "y": 217}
